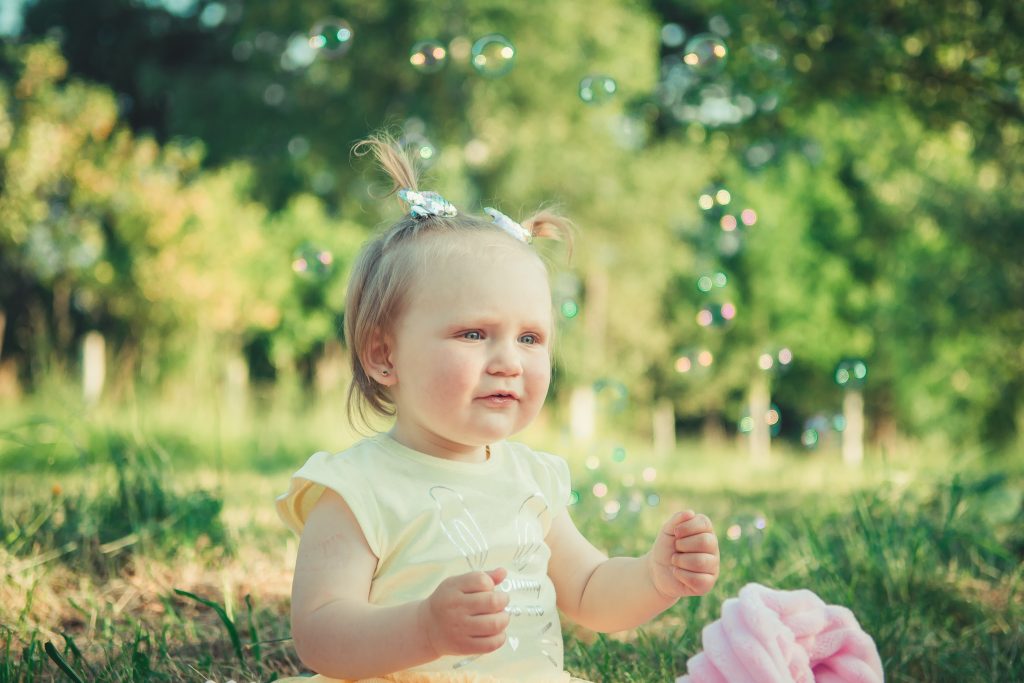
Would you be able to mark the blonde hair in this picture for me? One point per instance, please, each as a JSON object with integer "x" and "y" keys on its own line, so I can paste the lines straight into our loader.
{"x": 386, "y": 266}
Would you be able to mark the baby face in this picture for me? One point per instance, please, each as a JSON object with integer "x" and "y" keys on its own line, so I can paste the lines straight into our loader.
{"x": 471, "y": 353}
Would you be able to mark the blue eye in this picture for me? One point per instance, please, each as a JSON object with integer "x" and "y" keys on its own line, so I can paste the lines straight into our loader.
{"x": 472, "y": 334}
{"x": 529, "y": 339}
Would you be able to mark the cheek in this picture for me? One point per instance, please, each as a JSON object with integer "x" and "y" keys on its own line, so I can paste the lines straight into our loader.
{"x": 454, "y": 374}
{"x": 540, "y": 373}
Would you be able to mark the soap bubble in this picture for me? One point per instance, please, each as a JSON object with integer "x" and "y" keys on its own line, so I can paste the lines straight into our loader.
{"x": 748, "y": 525}
{"x": 311, "y": 262}
{"x": 612, "y": 395}
{"x": 274, "y": 94}
{"x": 493, "y": 55}
{"x": 772, "y": 417}
{"x": 419, "y": 147}
{"x": 428, "y": 56}
{"x": 851, "y": 373}
{"x": 597, "y": 89}
{"x": 705, "y": 54}
{"x": 672, "y": 35}
{"x": 298, "y": 54}
{"x": 331, "y": 37}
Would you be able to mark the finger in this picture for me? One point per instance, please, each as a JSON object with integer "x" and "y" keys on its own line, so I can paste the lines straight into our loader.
{"x": 675, "y": 520}
{"x": 699, "y": 543}
{"x": 485, "y": 644}
{"x": 497, "y": 575}
{"x": 698, "y": 524}
{"x": 698, "y": 583}
{"x": 486, "y": 625}
{"x": 701, "y": 563}
{"x": 486, "y": 602}
{"x": 476, "y": 582}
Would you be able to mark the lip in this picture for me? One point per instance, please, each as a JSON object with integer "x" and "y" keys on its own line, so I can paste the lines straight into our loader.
{"x": 499, "y": 399}
{"x": 505, "y": 395}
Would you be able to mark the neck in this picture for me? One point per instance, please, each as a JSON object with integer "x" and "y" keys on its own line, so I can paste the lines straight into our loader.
{"x": 438, "y": 449}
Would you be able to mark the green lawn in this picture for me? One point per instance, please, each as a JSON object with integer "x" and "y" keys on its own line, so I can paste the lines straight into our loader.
{"x": 145, "y": 547}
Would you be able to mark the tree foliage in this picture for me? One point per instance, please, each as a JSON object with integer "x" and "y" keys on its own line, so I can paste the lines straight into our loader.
{"x": 877, "y": 143}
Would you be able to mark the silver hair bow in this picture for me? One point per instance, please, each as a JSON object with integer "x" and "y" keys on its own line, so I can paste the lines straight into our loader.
{"x": 509, "y": 225}
{"x": 427, "y": 204}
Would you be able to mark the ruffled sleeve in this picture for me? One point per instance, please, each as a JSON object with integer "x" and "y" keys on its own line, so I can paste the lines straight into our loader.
{"x": 552, "y": 474}
{"x": 343, "y": 476}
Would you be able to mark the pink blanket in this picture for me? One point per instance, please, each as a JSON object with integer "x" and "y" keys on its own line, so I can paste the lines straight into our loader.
{"x": 773, "y": 636}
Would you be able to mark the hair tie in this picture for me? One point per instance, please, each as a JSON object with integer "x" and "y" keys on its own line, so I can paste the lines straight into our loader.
{"x": 509, "y": 225}
{"x": 427, "y": 204}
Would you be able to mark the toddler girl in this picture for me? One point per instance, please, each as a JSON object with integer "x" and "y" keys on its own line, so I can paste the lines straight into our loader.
{"x": 439, "y": 551}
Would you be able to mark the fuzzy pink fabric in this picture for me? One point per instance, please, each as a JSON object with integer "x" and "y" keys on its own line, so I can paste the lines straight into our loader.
{"x": 773, "y": 636}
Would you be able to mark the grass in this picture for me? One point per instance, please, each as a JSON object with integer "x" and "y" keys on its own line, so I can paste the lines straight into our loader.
{"x": 142, "y": 545}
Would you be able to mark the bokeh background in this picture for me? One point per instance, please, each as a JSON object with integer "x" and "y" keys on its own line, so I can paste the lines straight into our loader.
{"x": 839, "y": 180}
{"x": 799, "y": 274}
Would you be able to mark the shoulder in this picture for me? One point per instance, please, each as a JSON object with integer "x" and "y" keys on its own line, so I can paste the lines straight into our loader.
{"x": 348, "y": 473}
{"x": 362, "y": 454}
{"x": 548, "y": 469}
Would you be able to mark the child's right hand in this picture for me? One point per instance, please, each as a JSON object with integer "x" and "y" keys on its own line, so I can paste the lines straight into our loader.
{"x": 465, "y": 615}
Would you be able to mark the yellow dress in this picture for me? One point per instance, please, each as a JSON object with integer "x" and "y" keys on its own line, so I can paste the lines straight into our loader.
{"x": 426, "y": 518}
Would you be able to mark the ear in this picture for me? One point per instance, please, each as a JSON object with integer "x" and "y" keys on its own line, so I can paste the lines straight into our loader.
{"x": 376, "y": 359}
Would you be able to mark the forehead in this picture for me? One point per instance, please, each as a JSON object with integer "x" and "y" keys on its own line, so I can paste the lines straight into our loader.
{"x": 480, "y": 274}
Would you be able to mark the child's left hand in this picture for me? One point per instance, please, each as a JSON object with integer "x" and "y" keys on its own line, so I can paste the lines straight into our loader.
{"x": 684, "y": 560}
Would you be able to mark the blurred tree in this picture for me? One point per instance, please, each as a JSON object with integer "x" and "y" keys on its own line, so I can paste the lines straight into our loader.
{"x": 872, "y": 141}
{"x": 102, "y": 230}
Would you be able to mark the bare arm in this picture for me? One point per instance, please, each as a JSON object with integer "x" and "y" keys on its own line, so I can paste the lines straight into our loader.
{"x": 613, "y": 594}
{"x": 339, "y": 634}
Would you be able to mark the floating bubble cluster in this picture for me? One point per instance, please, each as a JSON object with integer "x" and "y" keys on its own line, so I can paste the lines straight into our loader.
{"x": 331, "y": 37}
{"x": 597, "y": 89}
{"x": 428, "y": 56}
{"x": 493, "y": 55}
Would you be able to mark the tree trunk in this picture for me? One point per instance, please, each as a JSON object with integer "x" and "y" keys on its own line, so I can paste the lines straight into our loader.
{"x": 94, "y": 366}
{"x": 664, "y": 424}
{"x": 236, "y": 387}
{"x": 759, "y": 402}
{"x": 595, "y": 322}
{"x": 853, "y": 435}
{"x": 583, "y": 414}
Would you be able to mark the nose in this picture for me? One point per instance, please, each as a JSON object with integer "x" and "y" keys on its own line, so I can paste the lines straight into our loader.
{"x": 505, "y": 360}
